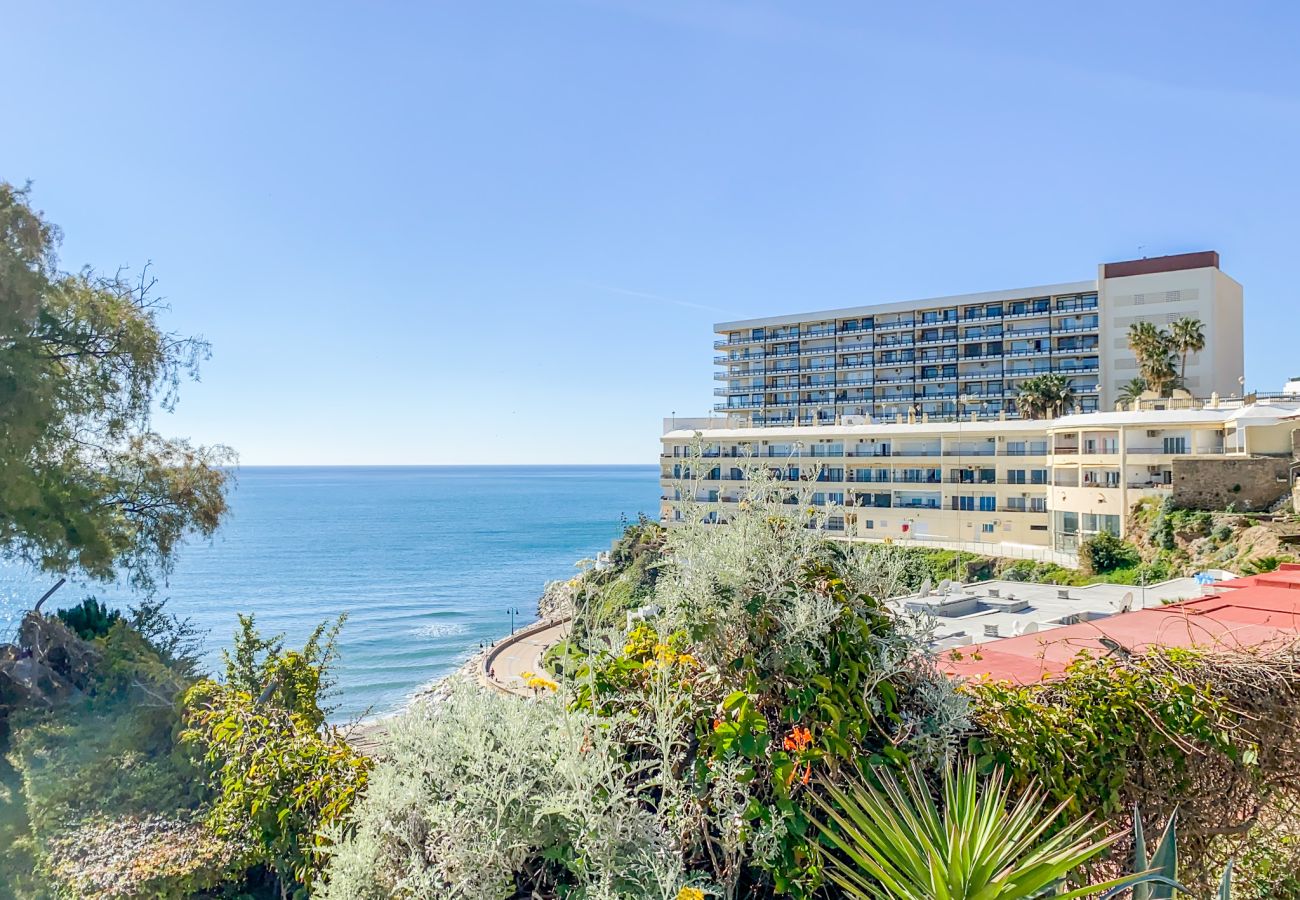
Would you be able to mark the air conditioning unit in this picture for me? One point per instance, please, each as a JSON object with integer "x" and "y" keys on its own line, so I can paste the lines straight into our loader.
{"x": 1153, "y": 433}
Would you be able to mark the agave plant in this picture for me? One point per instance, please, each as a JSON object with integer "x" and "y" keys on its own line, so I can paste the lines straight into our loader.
{"x": 1162, "y": 866}
{"x": 895, "y": 843}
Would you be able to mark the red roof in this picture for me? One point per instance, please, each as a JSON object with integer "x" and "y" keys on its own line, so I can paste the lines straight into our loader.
{"x": 1287, "y": 575}
{"x": 1252, "y": 612}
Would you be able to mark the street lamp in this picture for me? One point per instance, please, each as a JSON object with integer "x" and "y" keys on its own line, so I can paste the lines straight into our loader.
{"x": 514, "y": 611}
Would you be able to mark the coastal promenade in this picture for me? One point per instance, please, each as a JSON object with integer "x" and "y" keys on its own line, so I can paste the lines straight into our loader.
{"x": 501, "y": 669}
{"x": 507, "y": 660}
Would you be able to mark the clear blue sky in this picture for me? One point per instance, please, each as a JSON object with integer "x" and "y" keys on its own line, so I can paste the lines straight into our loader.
{"x": 501, "y": 232}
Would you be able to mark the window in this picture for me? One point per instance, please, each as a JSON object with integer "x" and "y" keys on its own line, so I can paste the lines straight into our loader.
{"x": 1175, "y": 445}
{"x": 988, "y": 504}
{"x": 1015, "y": 448}
{"x": 1015, "y": 476}
{"x": 1037, "y": 527}
{"x": 870, "y": 523}
{"x": 967, "y": 503}
{"x": 986, "y": 528}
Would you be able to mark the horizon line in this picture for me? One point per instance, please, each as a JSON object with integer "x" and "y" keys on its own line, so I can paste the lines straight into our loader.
{"x": 359, "y": 465}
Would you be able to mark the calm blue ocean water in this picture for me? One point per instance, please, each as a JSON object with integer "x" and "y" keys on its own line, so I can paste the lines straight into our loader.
{"x": 425, "y": 560}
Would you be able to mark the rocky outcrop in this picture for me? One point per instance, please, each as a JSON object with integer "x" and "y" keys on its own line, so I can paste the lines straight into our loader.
{"x": 49, "y": 665}
{"x": 556, "y": 601}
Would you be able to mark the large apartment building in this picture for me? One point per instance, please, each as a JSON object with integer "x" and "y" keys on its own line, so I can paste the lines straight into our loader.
{"x": 1035, "y": 487}
{"x": 927, "y": 358}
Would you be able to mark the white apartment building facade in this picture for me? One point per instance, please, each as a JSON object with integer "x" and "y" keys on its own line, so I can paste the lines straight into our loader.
{"x": 1034, "y": 488}
{"x": 968, "y": 355}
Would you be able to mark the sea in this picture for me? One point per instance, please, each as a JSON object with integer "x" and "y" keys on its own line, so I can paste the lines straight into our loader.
{"x": 428, "y": 562}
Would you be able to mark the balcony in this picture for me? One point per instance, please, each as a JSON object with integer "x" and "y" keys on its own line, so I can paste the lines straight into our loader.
{"x": 724, "y": 343}
{"x": 739, "y": 357}
{"x": 975, "y": 316}
{"x": 1184, "y": 450}
{"x": 1013, "y": 313}
{"x": 1013, "y": 333}
{"x": 926, "y": 356}
{"x": 895, "y": 326}
{"x": 1076, "y": 305}
{"x": 817, "y": 330}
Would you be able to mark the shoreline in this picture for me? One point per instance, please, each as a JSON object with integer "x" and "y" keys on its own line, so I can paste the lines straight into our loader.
{"x": 553, "y": 605}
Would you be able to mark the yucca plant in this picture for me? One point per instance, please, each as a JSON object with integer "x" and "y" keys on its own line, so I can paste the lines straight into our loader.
{"x": 895, "y": 843}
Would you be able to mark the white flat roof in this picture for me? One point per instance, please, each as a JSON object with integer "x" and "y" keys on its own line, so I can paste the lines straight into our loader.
{"x": 849, "y": 312}
{"x": 895, "y": 429}
{"x": 1045, "y": 606}
{"x": 1258, "y": 414}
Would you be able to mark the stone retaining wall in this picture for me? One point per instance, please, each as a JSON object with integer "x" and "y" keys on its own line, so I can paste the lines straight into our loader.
{"x": 1253, "y": 483}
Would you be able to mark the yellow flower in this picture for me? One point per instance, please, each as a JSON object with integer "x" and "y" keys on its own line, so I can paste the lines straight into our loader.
{"x": 686, "y": 659}
{"x": 689, "y": 893}
{"x": 539, "y": 682}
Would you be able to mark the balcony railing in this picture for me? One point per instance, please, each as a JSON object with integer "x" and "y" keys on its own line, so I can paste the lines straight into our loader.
{"x": 1074, "y": 305}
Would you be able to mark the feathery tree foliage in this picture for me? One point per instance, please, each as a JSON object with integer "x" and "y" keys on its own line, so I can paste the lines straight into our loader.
{"x": 86, "y": 484}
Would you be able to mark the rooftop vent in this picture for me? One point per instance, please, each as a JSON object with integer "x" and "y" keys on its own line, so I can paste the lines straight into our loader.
{"x": 994, "y": 592}
{"x": 991, "y": 630}
{"x": 1063, "y": 593}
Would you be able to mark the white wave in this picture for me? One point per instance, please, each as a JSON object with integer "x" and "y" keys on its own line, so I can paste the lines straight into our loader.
{"x": 438, "y": 629}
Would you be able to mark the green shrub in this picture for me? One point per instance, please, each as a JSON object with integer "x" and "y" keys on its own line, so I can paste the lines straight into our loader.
{"x": 89, "y": 619}
{"x": 106, "y": 756}
{"x": 1104, "y": 552}
{"x": 282, "y": 780}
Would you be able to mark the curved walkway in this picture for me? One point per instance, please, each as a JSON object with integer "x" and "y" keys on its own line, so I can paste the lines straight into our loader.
{"x": 507, "y": 660}
{"x": 509, "y": 657}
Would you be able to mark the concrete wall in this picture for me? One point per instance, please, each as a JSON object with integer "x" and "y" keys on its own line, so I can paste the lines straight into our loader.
{"x": 1160, "y": 298}
{"x": 1209, "y": 483}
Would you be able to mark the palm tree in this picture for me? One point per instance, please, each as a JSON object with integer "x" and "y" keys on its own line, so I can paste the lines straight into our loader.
{"x": 1131, "y": 390}
{"x": 895, "y": 843}
{"x": 1154, "y": 350}
{"x": 1187, "y": 335}
{"x": 1045, "y": 396}
{"x": 1030, "y": 402}
{"x": 1261, "y": 565}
